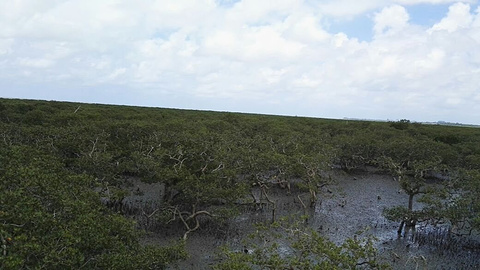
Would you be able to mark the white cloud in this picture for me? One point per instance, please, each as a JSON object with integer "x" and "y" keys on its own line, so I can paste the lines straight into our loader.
{"x": 476, "y": 22}
{"x": 345, "y": 9}
{"x": 256, "y": 52}
{"x": 458, "y": 17}
{"x": 392, "y": 18}
{"x": 412, "y": 2}
{"x": 116, "y": 74}
{"x": 261, "y": 12}
{"x": 6, "y": 45}
{"x": 348, "y": 8}
{"x": 305, "y": 28}
{"x": 273, "y": 76}
{"x": 433, "y": 60}
{"x": 35, "y": 62}
{"x": 339, "y": 39}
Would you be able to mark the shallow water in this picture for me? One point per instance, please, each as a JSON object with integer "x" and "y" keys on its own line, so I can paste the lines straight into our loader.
{"x": 352, "y": 206}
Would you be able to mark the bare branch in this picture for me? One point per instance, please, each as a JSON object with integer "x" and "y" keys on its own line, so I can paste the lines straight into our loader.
{"x": 93, "y": 147}
{"x": 303, "y": 204}
{"x": 14, "y": 225}
{"x": 151, "y": 149}
{"x": 149, "y": 216}
{"x": 220, "y": 166}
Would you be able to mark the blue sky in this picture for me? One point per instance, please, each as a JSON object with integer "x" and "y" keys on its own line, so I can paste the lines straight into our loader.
{"x": 361, "y": 25}
{"x": 375, "y": 59}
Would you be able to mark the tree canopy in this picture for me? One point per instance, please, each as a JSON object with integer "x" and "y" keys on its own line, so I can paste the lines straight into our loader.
{"x": 54, "y": 157}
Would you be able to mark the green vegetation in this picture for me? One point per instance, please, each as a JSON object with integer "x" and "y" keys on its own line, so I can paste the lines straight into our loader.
{"x": 56, "y": 156}
{"x": 51, "y": 218}
{"x": 298, "y": 247}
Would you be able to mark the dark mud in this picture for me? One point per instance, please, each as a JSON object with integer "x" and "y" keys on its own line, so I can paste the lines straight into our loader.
{"x": 357, "y": 206}
{"x": 353, "y": 206}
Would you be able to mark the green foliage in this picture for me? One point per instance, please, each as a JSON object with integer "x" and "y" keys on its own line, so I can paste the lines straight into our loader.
{"x": 412, "y": 177}
{"x": 53, "y": 219}
{"x": 401, "y": 124}
{"x": 463, "y": 209}
{"x": 288, "y": 244}
{"x": 401, "y": 213}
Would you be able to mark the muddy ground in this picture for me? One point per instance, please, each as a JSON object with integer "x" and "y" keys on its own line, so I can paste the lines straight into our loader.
{"x": 355, "y": 203}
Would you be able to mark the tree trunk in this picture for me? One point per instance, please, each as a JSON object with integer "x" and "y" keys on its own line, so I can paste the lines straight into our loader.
{"x": 410, "y": 201}
{"x": 400, "y": 228}
{"x": 411, "y": 221}
{"x": 313, "y": 198}
{"x": 273, "y": 214}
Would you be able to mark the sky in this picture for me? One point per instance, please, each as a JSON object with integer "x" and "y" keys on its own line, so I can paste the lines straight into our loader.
{"x": 369, "y": 59}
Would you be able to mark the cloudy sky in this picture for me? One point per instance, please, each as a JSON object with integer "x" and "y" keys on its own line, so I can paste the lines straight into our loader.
{"x": 375, "y": 59}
